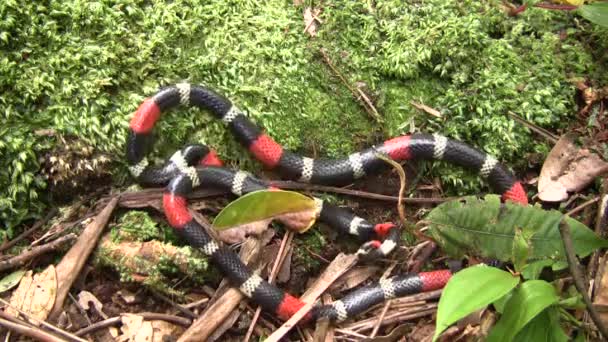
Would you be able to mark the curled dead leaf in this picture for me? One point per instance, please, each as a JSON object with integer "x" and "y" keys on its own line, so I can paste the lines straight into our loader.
{"x": 299, "y": 221}
{"x": 136, "y": 329}
{"x": 568, "y": 169}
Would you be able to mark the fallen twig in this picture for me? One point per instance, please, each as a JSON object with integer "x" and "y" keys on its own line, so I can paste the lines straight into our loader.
{"x": 339, "y": 266}
{"x": 29, "y": 231}
{"x": 216, "y": 313}
{"x": 582, "y": 206}
{"x": 28, "y": 255}
{"x": 287, "y": 238}
{"x": 579, "y": 282}
{"x": 365, "y": 102}
{"x": 30, "y": 331}
{"x": 148, "y": 316}
{"x": 29, "y": 317}
{"x": 178, "y": 307}
{"x": 537, "y": 129}
{"x": 72, "y": 263}
{"x": 398, "y": 316}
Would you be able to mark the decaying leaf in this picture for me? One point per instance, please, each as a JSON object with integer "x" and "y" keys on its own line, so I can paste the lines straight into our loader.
{"x": 298, "y": 221}
{"x": 251, "y": 214}
{"x": 311, "y": 20}
{"x": 135, "y": 329}
{"x": 35, "y": 295}
{"x": 568, "y": 169}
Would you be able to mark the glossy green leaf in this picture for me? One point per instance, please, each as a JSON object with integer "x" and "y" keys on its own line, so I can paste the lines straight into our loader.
{"x": 596, "y": 13}
{"x": 469, "y": 290}
{"x": 527, "y": 301}
{"x": 11, "y": 280}
{"x": 486, "y": 228}
{"x": 500, "y": 303}
{"x": 543, "y": 328}
{"x": 264, "y": 205}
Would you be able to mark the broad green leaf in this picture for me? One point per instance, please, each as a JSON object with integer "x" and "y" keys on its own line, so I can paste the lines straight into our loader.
{"x": 596, "y": 13}
{"x": 500, "y": 303}
{"x": 486, "y": 228}
{"x": 469, "y": 290}
{"x": 533, "y": 269}
{"x": 527, "y": 301}
{"x": 521, "y": 249}
{"x": 264, "y": 205}
{"x": 543, "y": 328}
{"x": 11, "y": 280}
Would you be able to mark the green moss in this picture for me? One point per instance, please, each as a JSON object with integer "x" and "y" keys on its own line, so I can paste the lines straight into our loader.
{"x": 81, "y": 68}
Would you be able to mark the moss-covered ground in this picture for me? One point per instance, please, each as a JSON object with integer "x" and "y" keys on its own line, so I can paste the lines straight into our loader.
{"x": 80, "y": 68}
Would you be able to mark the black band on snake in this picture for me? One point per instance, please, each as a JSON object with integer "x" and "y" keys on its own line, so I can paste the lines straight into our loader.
{"x": 196, "y": 165}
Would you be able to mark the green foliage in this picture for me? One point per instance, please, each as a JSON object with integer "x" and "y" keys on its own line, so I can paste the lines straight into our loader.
{"x": 136, "y": 226}
{"x": 11, "y": 280}
{"x": 544, "y": 327}
{"x": 524, "y": 235}
{"x": 596, "y": 13}
{"x": 527, "y": 301}
{"x": 469, "y": 290}
{"x": 81, "y": 68}
{"x": 486, "y": 228}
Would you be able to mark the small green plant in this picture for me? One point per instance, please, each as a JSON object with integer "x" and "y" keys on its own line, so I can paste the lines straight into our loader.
{"x": 527, "y": 237}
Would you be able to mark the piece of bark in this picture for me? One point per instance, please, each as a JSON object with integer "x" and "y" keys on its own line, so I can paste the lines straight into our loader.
{"x": 71, "y": 265}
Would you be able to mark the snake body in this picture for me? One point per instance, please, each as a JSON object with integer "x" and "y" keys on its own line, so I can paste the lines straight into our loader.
{"x": 196, "y": 165}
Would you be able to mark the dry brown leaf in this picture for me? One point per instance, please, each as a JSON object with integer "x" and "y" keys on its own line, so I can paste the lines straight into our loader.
{"x": 311, "y": 21}
{"x": 165, "y": 331}
{"x": 568, "y": 169}
{"x": 299, "y": 221}
{"x": 427, "y": 109}
{"x": 36, "y": 295}
{"x": 135, "y": 329}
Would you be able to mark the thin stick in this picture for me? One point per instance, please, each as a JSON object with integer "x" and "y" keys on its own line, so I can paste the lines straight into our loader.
{"x": 148, "y": 316}
{"x": 196, "y": 303}
{"x": 582, "y": 206}
{"x": 564, "y": 230}
{"x": 366, "y": 103}
{"x": 26, "y": 256}
{"x": 539, "y": 130}
{"x": 273, "y": 273}
{"x": 62, "y": 332}
{"x": 338, "y": 267}
{"x": 380, "y": 319}
{"x": 26, "y": 233}
{"x": 178, "y": 307}
{"x": 30, "y": 331}
{"x": 358, "y": 193}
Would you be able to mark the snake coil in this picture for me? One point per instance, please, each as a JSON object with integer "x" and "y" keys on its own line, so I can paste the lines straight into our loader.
{"x": 196, "y": 165}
